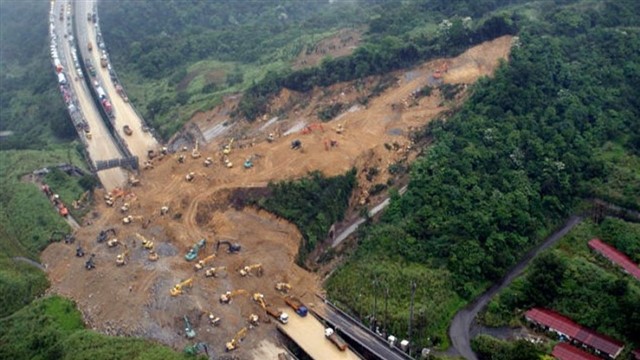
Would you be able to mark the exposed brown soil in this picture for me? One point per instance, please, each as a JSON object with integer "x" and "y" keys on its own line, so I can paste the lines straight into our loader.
{"x": 134, "y": 299}
{"x": 341, "y": 44}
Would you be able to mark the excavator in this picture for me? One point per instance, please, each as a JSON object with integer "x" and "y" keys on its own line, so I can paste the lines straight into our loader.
{"x": 129, "y": 219}
{"x": 153, "y": 256}
{"x": 213, "y": 271}
{"x": 277, "y": 314}
{"x": 60, "y": 235}
{"x": 145, "y": 243}
{"x": 208, "y": 161}
{"x": 195, "y": 153}
{"x": 104, "y": 234}
{"x": 249, "y": 268}
{"x": 113, "y": 242}
{"x": 90, "y": 264}
{"x": 214, "y": 320}
{"x": 254, "y": 320}
{"x": 79, "y": 251}
{"x": 177, "y": 290}
{"x": 201, "y": 263}
{"x": 188, "y": 329}
{"x": 121, "y": 259}
{"x": 193, "y": 252}
{"x": 233, "y": 344}
{"x": 283, "y": 287}
{"x": 227, "y": 148}
{"x": 226, "y": 297}
{"x": 232, "y": 248}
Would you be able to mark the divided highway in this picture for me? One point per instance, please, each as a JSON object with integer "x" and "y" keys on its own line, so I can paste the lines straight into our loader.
{"x": 101, "y": 146}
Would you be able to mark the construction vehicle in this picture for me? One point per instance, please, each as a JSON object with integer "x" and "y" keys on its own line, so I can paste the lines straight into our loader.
{"x": 177, "y": 289}
{"x": 104, "y": 234}
{"x": 335, "y": 339}
{"x": 196, "y": 348}
{"x": 227, "y": 148}
{"x": 145, "y": 243}
{"x": 213, "y": 271}
{"x": 153, "y": 256}
{"x": 214, "y": 320}
{"x": 232, "y": 248}
{"x": 195, "y": 153}
{"x": 296, "y": 305}
{"x": 249, "y": 268}
{"x": 59, "y": 235}
{"x": 181, "y": 159}
{"x": 201, "y": 263}
{"x": 133, "y": 181}
{"x": 121, "y": 259}
{"x": 113, "y": 242}
{"x": 193, "y": 252}
{"x": 125, "y": 207}
{"x": 164, "y": 210}
{"x": 208, "y": 161}
{"x": 190, "y": 176}
{"x": 62, "y": 210}
{"x": 283, "y": 287}
{"x": 254, "y": 320}
{"x": 248, "y": 163}
{"x": 188, "y": 329}
{"x": 271, "y": 137}
{"x": 129, "y": 219}
{"x": 226, "y": 297}
{"x": 311, "y": 127}
{"x": 227, "y": 163}
{"x": 277, "y": 314}
{"x": 339, "y": 129}
{"x": 79, "y": 251}
{"x": 233, "y": 344}
{"x": 296, "y": 144}
{"x": 90, "y": 264}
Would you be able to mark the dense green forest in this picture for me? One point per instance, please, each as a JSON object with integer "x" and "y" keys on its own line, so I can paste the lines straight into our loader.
{"x": 575, "y": 281}
{"x": 509, "y": 166}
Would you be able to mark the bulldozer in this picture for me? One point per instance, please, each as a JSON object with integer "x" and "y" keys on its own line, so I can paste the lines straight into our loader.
{"x": 213, "y": 271}
{"x": 249, "y": 268}
{"x": 177, "y": 289}
{"x": 232, "y": 248}
{"x": 226, "y": 297}
{"x": 201, "y": 263}
{"x": 193, "y": 252}
{"x": 188, "y": 329}
{"x": 283, "y": 287}
{"x": 233, "y": 344}
{"x": 195, "y": 153}
{"x": 121, "y": 259}
{"x": 104, "y": 234}
{"x": 227, "y": 148}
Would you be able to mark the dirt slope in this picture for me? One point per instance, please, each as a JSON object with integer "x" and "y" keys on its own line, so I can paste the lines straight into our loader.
{"x": 134, "y": 299}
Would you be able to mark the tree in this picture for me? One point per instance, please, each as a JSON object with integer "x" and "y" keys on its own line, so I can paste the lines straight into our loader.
{"x": 544, "y": 278}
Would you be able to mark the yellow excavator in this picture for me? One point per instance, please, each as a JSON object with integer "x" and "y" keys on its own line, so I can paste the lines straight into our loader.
{"x": 145, "y": 243}
{"x": 213, "y": 271}
{"x": 177, "y": 290}
{"x": 283, "y": 287}
{"x": 201, "y": 263}
{"x": 227, "y": 148}
{"x": 249, "y": 268}
{"x": 226, "y": 297}
{"x": 233, "y": 344}
{"x": 129, "y": 219}
{"x": 121, "y": 259}
{"x": 195, "y": 153}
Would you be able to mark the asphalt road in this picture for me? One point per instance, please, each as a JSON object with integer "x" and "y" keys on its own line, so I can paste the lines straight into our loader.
{"x": 354, "y": 330}
{"x": 461, "y": 324}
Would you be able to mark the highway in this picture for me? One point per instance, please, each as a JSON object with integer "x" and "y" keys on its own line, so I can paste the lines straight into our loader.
{"x": 139, "y": 142}
{"x": 101, "y": 146}
{"x": 358, "y": 333}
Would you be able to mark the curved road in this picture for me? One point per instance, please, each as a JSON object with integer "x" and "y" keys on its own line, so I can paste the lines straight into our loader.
{"x": 461, "y": 324}
{"x": 30, "y": 262}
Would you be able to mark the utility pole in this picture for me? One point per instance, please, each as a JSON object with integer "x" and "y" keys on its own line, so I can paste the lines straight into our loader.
{"x": 413, "y": 293}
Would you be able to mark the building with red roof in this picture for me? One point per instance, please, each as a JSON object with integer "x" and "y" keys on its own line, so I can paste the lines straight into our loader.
{"x": 616, "y": 257}
{"x": 567, "y": 329}
{"x": 564, "y": 351}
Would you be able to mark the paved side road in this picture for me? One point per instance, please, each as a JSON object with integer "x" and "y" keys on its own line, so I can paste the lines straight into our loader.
{"x": 461, "y": 324}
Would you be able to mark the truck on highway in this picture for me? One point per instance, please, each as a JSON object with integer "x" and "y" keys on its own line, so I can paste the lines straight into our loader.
{"x": 335, "y": 339}
{"x": 127, "y": 130}
{"x": 107, "y": 107}
{"x": 121, "y": 92}
{"x": 89, "y": 46}
{"x": 62, "y": 80}
{"x": 90, "y": 68}
{"x": 103, "y": 60}
{"x": 281, "y": 316}
{"x": 100, "y": 91}
{"x": 296, "y": 305}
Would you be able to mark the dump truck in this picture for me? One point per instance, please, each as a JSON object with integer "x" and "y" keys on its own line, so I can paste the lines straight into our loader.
{"x": 335, "y": 339}
{"x": 281, "y": 316}
{"x": 296, "y": 305}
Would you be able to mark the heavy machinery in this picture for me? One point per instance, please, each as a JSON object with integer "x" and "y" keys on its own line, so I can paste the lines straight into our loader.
{"x": 248, "y": 163}
{"x": 188, "y": 329}
{"x": 196, "y": 349}
{"x": 121, "y": 259}
{"x": 277, "y": 314}
{"x": 195, "y": 153}
{"x": 227, "y": 148}
{"x": 335, "y": 339}
{"x": 231, "y": 249}
{"x": 104, "y": 234}
{"x": 254, "y": 320}
{"x": 213, "y": 271}
{"x": 226, "y": 297}
{"x": 193, "y": 252}
{"x": 59, "y": 235}
{"x": 190, "y": 176}
{"x": 296, "y": 305}
{"x": 208, "y": 161}
{"x": 296, "y": 144}
{"x": 113, "y": 242}
{"x": 201, "y": 263}
{"x": 90, "y": 264}
{"x": 129, "y": 219}
{"x": 79, "y": 251}
{"x": 249, "y": 268}
{"x": 89, "y": 46}
{"x": 177, "y": 289}
{"x": 153, "y": 256}
{"x": 133, "y": 181}
{"x": 283, "y": 287}
{"x": 147, "y": 244}
{"x": 233, "y": 344}
{"x": 214, "y": 320}
{"x": 125, "y": 207}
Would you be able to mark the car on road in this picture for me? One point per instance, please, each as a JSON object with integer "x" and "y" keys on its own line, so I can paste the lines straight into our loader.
{"x": 127, "y": 130}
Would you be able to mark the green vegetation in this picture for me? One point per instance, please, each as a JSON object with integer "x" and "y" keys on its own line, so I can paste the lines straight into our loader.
{"x": 514, "y": 161}
{"x": 579, "y": 283}
{"x": 52, "y": 328}
{"x": 312, "y": 203}
{"x": 490, "y": 348}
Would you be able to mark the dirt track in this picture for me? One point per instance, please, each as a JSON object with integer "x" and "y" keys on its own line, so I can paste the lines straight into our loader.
{"x": 134, "y": 299}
